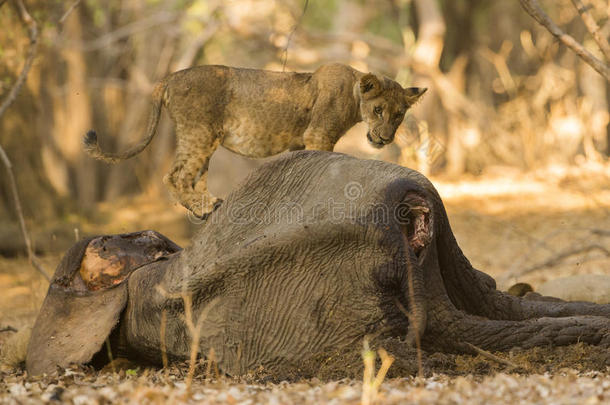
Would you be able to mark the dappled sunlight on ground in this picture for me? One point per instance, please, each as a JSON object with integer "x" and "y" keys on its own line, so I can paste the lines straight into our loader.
{"x": 509, "y": 225}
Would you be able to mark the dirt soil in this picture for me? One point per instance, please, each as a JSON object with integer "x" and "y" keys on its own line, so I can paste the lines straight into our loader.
{"x": 516, "y": 227}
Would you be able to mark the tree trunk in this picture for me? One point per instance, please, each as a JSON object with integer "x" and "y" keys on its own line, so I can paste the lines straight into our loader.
{"x": 73, "y": 118}
{"x": 146, "y": 68}
{"x": 427, "y": 54}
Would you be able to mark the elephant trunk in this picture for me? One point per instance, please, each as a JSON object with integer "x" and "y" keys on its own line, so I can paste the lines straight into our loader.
{"x": 417, "y": 299}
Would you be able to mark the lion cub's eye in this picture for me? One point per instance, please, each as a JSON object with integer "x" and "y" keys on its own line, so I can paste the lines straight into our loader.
{"x": 378, "y": 110}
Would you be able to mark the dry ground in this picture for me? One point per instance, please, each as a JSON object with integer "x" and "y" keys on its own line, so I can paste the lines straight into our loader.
{"x": 508, "y": 224}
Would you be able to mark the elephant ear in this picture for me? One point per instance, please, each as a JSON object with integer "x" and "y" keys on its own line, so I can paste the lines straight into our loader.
{"x": 370, "y": 86}
{"x": 87, "y": 296}
{"x": 413, "y": 94}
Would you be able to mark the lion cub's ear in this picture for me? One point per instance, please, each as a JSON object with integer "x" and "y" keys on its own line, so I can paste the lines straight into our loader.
{"x": 413, "y": 94}
{"x": 370, "y": 86}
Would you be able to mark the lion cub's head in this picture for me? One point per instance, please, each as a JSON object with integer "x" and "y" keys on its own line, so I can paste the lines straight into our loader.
{"x": 383, "y": 104}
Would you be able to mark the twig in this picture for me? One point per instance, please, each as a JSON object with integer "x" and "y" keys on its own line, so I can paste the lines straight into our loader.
{"x": 533, "y": 9}
{"x": 194, "y": 328}
{"x": 368, "y": 358}
{"x": 522, "y": 258}
{"x": 499, "y": 60}
{"x": 372, "y": 382}
{"x": 491, "y": 356}
{"x": 30, "y": 23}
{"x": 28, "y": 243}
{"x": 373, "y": 41}
{"x": 110, "y": 356}
{"x": 68, "y": 12}
{"x": 125, "y": 31}
{"x": 289, "y": 38}
{"x": 514, "y": 269}
{"x": 33, "y": 33}
{"x": 195, "y": 44}
{"x": 163, "y": 343}
{"x": 7, "y": 328}
{"x": 562, "y": 256}
{"x": 420, "y": 364}
{"x": 593, "y": 28}
{"x": 211, "y": 363}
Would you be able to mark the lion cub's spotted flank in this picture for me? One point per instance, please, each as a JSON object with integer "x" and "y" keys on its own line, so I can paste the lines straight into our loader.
{"x": 258, "y": 113}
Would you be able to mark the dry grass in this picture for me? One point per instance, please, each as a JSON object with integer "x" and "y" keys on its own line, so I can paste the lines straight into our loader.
{"x": 157, "y": 387}
{"x": 372, "y": 382}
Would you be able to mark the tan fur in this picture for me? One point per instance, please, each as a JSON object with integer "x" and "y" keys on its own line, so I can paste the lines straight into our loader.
{"x": 259, "y": 113}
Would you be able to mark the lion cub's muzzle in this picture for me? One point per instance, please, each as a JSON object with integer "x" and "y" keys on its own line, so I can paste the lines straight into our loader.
{"x": 377, "y": 141}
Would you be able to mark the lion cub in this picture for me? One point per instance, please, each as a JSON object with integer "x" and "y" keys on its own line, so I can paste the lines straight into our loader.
{"x": 258, "y": 113}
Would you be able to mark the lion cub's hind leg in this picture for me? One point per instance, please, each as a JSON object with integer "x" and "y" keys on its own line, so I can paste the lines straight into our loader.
{"x": 187, "y": 178}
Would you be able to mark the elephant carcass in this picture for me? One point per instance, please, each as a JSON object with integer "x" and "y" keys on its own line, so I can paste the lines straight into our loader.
{"x": 314, "y": 252}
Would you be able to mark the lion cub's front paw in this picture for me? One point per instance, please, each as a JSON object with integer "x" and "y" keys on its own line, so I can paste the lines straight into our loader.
{"x": 217, "y": 204}
{"x": 201, "y": 209}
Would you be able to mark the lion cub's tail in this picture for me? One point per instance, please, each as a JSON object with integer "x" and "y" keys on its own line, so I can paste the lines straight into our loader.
{"x": 92, "y": 148}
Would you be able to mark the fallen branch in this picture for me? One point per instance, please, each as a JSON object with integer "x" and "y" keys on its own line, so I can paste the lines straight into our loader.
{"x": 533, "y": 9}
{"x": 32, "y": 50}
{"x": 553, "y": 261}
{"x": 600, "y": 232}
{"x": 515, "y": 270}
{"x": 593, "y": 28}
{"x": 491, "y": 356}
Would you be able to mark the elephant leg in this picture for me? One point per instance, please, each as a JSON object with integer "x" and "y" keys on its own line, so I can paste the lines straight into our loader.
{"x": 450, "y": 329}
{"x": 475, "y": 292}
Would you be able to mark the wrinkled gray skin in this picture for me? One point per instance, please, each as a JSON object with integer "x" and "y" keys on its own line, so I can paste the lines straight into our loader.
{"x": 311, "y": 254}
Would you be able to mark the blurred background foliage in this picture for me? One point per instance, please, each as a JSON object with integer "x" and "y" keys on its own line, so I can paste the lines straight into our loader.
{"x": 502, "y": 91}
